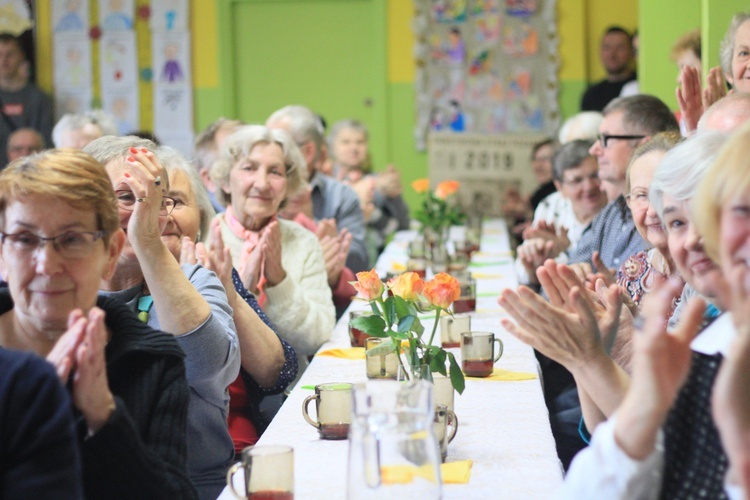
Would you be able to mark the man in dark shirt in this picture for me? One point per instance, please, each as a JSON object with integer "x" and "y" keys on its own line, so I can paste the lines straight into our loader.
{"x": 616, "y": 53}
{"x": 22, "y": 104}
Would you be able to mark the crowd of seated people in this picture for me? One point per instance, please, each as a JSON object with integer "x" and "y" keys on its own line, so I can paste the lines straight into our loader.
{"x": 173, "y": 301}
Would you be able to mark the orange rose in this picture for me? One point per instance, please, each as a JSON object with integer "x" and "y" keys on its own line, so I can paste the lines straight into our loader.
{"x": 442, "y": 290}
{"x": 407, "y": 285}
{"x": 446, "y": 188}
{"x": 421, "y": 185}
{"x": 368, "y": 285}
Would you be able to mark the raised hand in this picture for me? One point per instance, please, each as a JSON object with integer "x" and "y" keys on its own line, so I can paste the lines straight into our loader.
{"x": 533, "y": 253}
{"x": 331, "y": 256}
{"x": 602, "y": 271}
{"x": 187, "y": 251}
{"x": 715, "y": 87}
{"x": 145, "y": 226}
{"x": 91, "y": 394}
{"x": 661, "y": 362}
{"x": 270, "y": 243}
{"x": 689, "y": 97}
{"x": 219, "y": 260}
{"x": 63, "y": 354}
{"x": 730, "y": 404}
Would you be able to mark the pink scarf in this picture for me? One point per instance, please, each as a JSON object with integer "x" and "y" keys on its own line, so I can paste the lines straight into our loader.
{"x": 249, "y": 240}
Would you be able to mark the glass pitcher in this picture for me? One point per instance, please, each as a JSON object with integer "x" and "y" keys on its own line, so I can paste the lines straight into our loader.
{"x": 392, "y": 445}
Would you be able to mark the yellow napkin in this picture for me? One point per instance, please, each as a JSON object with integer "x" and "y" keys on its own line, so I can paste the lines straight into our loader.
{"x": 452, "y": 473}
{"x": 500, "y": 374}
{"x": 397, "y": 266}
{"x": 456, "y": 472}
{"x": 487, "y": 276}
{"x": 346, "y": 353}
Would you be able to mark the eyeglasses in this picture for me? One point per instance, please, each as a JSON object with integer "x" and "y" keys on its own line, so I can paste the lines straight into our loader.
{"x": 637, "y": 199}
{"x": 126, "y": 201}
{"x": 70, "y": 245}
{"x": 578, "y": 180}
{"x": 604, "y": 138}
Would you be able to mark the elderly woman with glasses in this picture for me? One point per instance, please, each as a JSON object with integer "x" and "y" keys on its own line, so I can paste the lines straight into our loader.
{"x": 60, "y": 237}
{"x": 189, "y": 301}
{"x": 278, "y": 260}
{"x": 269, "y": 363}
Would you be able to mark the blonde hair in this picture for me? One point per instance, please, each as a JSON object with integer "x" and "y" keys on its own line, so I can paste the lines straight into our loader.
{"x": 67, "y": 174}
{"x": 725, "y": 179}
{"x": 663, "y": 142}
{"x": 241, "y": 143}
{"x": 689, "y": 41}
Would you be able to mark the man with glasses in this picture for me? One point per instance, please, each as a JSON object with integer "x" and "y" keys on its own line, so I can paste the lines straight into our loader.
{"x": 628, "y": 122}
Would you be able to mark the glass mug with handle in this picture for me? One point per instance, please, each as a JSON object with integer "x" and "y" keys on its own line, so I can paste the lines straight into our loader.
{"x": 269, "y": 473}
{"x": 333, "y": 402}
{"x": 446, "y": 426}
{"x": 477, "y": 353}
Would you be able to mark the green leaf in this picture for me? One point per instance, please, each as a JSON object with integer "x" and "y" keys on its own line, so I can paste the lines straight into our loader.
{"x": 374, "y": 307}
{"x": 371, "y": 325}
{"x": 413, "y": 354}
{"x": 385, "y": 347}
{"x": 405, "y": 324}
{"x": 390, "y": 311}
{"x": 437, "y": 360}
{"x": 401, "y": 306}
{"x": 457, "y": 376}
{"x": 399, "y": 335}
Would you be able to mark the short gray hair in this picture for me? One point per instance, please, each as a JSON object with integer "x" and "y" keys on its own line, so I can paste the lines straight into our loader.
{"x": 76, "y": 121}
{"x": 110, "y": 148}
{"x": 682, "y": 168}
{"x": 726, "y": 48}
{"x": 173, "y": 161}
{"x": 205, "y": 142}
{"x": 569, "y": 156}
{"x": 242, "y": 142}
{"x": 304, "y": 125}
{"x": 643, "y": 114}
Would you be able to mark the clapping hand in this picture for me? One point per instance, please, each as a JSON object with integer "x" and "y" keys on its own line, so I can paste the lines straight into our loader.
{"x": 270, "y": 243}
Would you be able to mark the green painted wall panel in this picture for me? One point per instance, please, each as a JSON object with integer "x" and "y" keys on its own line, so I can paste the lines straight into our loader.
{"x": 208, "y": 105}
{"x": 411, "y": 163}
{"x": 716, "y": 17}
{"x": 569, "y": 96}
{"x": 660, "y": 25}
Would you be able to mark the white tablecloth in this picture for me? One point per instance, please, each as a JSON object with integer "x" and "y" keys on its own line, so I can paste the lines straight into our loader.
{"x": 503, "y": 426}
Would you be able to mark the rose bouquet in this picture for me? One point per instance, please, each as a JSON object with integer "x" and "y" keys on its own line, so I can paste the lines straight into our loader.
{"x": 439, "y": 210}
{"x": 395, "y": 318}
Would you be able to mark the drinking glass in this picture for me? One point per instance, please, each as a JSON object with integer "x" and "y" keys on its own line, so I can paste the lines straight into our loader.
{"x": 477, "y": 353}
{"x": 269, "y": 473}
{"x": 333, "y": 402}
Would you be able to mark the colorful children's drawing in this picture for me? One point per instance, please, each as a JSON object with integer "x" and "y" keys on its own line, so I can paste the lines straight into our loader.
{"x": 480, "y": 64}
{"x": 72, "y": 17}
{"x": 519, "y": 85}
{"x": 481, "y": 7}
{"x": 520, "y": 40}
{"x": 172, "y": 72}
{"x": 520, "y": 8}
{"x": 487, "y": 29}
{"x": 449, "y": 11}
{"x": 117, "y": 15}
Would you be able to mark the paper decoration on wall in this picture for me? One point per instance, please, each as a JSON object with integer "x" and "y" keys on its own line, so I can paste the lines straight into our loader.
{"x": 173, "y": 90}
{"x": 169, "y": 15}
{"x": 72, "y": 72}
{"x": 118, "y": 74}
{"x": 15, "y": 17}
{"x": 485, "y": 66}
{"x": 116, "y": 15}
{"x": 70, "y": 16}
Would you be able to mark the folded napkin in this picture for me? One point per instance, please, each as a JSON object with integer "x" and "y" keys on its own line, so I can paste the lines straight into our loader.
{"x": 397, "y": 266}
{"x": 487, "y": 276}
{"x": 451, "y": 473}
{"x": 456, "y": 472}
{"x": 488, "y": 294}
{"x": 345, "y": 353}
{"x": 500, "y": 374}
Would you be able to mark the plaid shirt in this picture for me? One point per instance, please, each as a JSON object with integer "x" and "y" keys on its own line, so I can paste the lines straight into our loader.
{"x": 613, "y": 234}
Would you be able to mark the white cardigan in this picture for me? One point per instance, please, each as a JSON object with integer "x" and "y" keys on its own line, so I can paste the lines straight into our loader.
{"x": 301, "y": 306}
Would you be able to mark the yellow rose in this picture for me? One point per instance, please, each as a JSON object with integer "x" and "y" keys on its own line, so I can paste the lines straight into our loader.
{"x": 407, "y": 285}
{"x": 368, "y": 285}
{"x": 442, "y": 290}
{"x": 446, "y": 188}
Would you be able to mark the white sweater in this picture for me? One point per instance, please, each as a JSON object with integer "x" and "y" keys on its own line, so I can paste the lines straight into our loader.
{"x": 301, "y": 306}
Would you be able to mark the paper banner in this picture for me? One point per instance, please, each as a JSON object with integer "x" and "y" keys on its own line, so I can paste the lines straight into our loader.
{"x": 171, "y": 58}
{"x": 72, "y": 60}
{"x": 124, "y": 106}
{"x": 118, "y": 68}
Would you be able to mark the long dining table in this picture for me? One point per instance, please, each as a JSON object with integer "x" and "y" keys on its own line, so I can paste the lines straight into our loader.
{"x": 503, "y": 425}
